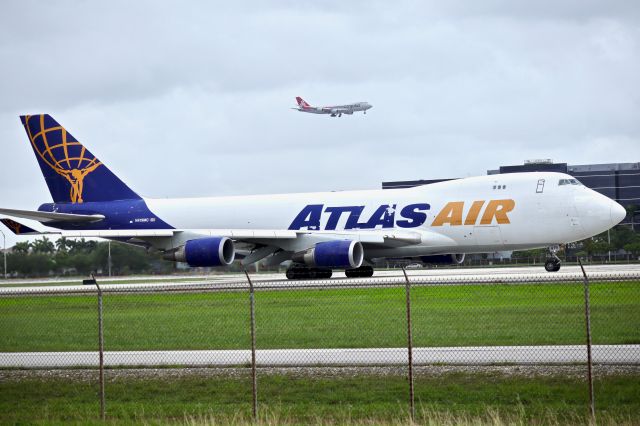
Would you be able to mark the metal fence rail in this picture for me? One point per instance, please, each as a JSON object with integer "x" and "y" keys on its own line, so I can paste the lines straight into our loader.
{"x": 421, "y": 320}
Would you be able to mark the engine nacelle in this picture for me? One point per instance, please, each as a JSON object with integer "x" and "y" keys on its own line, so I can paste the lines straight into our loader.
{"x": 332, "y": 254}
{"x": 444, "y": 259}
{"x": 213, "y": 251}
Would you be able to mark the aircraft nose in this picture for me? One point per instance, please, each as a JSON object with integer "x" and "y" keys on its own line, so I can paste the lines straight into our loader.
{"x": 597, "y": 212}
{"x": 617, "y": 213}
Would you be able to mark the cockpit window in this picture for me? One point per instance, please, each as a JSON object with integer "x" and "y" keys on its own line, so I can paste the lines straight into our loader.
{"x": 569, "y": 182}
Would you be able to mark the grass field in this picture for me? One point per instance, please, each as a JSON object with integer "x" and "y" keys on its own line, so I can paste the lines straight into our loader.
{"x": 327, "y": 318}
{"x": 301, "y": 400}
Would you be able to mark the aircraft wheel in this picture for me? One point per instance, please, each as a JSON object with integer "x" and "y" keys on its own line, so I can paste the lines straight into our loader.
{"x": 361, "y": 272}
{"x": 322, "y": 273}
{"x": 298, "y": 273}
{"x": 552, "y": 265}
{"x": 306, "y": 273}
{"x": 368, "y": 272}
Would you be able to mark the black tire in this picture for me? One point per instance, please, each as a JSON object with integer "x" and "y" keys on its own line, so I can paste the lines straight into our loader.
{"x": 367, "y": 271}
{"x": 306, "y": 273}
{"x": 361, "y": 272}
{"x": 552, "y": 265}
{"x": 298, "y": 273}
{"x": 326, "y": 274}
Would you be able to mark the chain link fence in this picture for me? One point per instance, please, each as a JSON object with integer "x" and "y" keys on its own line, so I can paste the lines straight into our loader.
{"x": 357, "y": 324}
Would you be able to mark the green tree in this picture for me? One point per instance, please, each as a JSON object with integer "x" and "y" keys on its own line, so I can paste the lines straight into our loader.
{"x": 633, "y": 245}
{"x": 31, "y": 265}
{"x": 633, "y": 248}
{"x": 125, "y": 258}
{"x": 631, "y": 214}
{"x": 22, "y": 248}
{"x": 81, "y": 246}
{"x": 62, "y": 245}
{"x": 534, "y": 254}
{"x": 595, "y": 245}
{"x": 43, "y": 245}
{"x": 620, "y": 236}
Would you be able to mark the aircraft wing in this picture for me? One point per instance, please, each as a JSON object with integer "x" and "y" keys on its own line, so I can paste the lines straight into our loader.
{"x": 246, "y": 239}
{"x": 258, "y": 243}
{"x": 46, "y": 217}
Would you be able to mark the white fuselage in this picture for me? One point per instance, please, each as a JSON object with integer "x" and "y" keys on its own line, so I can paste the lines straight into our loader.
{"x": 337, "y": 109}
{"x": 533, "y": 210}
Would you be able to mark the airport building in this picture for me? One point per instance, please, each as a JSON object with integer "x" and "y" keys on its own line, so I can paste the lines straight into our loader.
{"x": 618, "y": 181}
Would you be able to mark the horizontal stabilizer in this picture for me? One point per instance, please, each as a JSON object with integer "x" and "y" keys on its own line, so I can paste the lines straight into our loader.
{"x": 18, "y": 228}
{"x": 47, "y": 217}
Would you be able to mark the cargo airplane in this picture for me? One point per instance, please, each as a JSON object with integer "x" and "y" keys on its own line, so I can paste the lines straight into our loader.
{"x": 336, "y": 110}
{"x": 318, "y": 232}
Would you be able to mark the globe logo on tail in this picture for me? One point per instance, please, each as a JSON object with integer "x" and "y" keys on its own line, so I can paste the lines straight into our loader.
{"x": 59, "y": 150}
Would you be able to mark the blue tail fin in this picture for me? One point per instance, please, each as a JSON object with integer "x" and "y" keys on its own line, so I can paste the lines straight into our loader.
{"x": 72, "y": 173}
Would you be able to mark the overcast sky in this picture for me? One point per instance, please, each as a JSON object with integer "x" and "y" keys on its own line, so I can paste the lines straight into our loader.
{"x": 193, "y": 98}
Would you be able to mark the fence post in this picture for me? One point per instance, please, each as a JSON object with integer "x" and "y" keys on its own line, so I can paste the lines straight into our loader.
{"x": 254, "y": 379}
{"x": 409, "y": 347}
{"x": 100, "y": 348}
{"x": 587, "y": 314}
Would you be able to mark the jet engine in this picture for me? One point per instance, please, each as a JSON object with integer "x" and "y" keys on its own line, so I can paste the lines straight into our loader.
{"x": 332, "y": 254}
{"x": 214, "y": 251}
{"x": 443, "y": 259}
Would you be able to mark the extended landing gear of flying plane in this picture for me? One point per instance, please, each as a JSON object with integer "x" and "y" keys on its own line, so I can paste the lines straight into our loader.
{"x": 361, "y": 272}
{"x": 302, "y": 272}
{"x": 553, "y": 262}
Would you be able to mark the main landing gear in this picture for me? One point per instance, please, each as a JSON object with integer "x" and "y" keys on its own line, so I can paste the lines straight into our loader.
{"x": 553, "y": 262}
{"x": 302, "y": 272}
{"x": 361, "y": 272}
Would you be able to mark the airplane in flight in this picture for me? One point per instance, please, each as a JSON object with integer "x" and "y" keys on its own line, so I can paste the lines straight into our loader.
{"x": 334, "y": 111}
{"x": 318, "y": 232}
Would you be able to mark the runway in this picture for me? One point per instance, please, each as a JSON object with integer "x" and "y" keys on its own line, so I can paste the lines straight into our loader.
{"x": 473, "y": 355}
{"x": 436, "y": 276}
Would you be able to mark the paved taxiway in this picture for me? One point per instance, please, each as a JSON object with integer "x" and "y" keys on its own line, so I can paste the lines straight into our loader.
{"x": 443, "y": 276}
{"x": 602, "y": 354}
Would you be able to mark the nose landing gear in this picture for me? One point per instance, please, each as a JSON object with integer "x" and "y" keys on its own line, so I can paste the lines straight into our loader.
{"x": 552, "y": 263}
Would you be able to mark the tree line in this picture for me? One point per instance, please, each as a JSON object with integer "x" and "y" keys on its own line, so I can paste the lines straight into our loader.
{"x": 65, "y": 256}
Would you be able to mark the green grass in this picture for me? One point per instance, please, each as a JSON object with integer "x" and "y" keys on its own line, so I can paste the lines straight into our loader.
{"x": 288, "y": 399}
{"x": 327, "y": 318}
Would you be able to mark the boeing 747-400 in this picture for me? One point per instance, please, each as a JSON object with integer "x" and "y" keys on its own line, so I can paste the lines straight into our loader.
{"x": 317, "y": 232}
{"x": 334, "y": 111}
